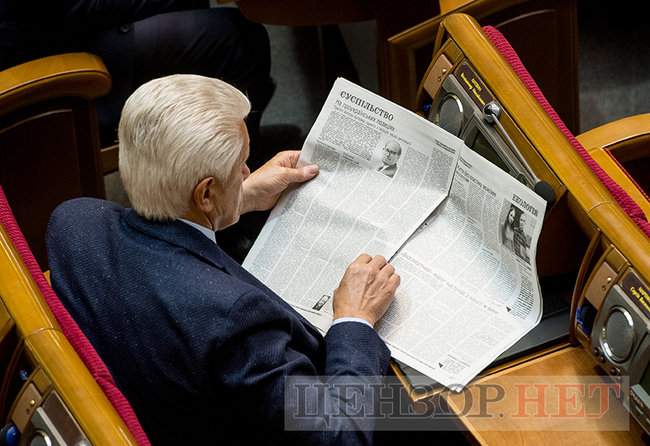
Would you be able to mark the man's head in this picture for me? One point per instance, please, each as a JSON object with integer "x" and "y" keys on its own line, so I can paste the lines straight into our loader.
{"x": 391, "y": 154}
{"x": 183, "y": 147}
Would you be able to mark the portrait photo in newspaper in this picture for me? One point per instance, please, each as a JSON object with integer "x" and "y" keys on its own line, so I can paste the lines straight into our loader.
{"x": 514, "y": 233}
{"x": 391, "y": 152}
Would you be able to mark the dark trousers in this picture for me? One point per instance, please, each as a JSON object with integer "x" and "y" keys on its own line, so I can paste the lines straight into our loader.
{"x": 140, "y": 40}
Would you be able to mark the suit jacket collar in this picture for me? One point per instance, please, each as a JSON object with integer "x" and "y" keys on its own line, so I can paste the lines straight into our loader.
{"x": 179, "y": 234}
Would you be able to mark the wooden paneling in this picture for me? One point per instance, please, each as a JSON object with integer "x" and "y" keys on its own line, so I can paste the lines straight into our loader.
{"x": 49, "y": 141}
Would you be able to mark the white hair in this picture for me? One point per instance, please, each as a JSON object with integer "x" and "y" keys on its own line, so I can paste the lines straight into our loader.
{"x": 174, "y": 132}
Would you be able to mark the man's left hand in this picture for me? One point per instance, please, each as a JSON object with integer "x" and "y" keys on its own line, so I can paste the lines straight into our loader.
{"x": 264, "y": 186}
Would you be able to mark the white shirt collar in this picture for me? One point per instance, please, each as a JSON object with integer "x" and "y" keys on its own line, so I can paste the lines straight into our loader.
{"x": 209, "y": 233}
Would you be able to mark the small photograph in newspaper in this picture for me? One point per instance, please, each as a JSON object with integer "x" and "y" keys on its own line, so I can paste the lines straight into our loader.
{"x": 390, "y": 153}
{"x": 516, "y": 230}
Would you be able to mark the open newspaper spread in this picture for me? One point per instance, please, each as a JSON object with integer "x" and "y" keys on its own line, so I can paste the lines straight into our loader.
{"x": 352, "y": 206}
{"x": 469, "y": 286}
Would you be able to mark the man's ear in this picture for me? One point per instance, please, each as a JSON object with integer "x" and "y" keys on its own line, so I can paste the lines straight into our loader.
{"x": 202, "y": 195}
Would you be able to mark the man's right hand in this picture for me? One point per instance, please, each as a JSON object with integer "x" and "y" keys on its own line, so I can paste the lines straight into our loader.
{"x": 366, "y": 290}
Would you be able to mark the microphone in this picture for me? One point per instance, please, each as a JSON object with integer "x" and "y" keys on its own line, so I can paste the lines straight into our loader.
{"x": 544, "y": 190}
{"x": 491, "y": 114}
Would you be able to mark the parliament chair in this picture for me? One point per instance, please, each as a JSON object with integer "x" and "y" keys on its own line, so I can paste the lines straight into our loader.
{"x": 543, "y": 32}
{"x": 593, "y": 255}
{"x": 49, "y": 140}
{"x": 54, "y": 389}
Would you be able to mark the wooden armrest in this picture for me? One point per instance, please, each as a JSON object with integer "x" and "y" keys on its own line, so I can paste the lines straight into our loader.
{"x": 19, "y": 292}
{"x": 609, "y": 135}
{"x": 75, "y": 74}
{"x": 78, "y": 390}
{"x": 305, "y": 12}
{"x": 447, "y": 6}
{"x": 622, "y": 149}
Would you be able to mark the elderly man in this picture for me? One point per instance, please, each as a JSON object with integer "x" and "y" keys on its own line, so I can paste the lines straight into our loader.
{"x": 390, "y": 156}
{"x": 200, "y": 348}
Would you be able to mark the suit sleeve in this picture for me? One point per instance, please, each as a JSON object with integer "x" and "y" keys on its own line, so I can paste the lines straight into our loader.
{"x": 328, "y": 399}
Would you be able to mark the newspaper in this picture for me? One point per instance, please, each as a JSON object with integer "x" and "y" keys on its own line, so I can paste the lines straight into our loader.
{"x": 354, "y": 205}
{"x": 461, "y": 233}
{"x": 469, "y": 286}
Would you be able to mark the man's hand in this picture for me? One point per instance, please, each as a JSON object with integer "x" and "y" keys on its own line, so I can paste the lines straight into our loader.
{"x": 366, "y": 290}
{"x": 264, "y": 186}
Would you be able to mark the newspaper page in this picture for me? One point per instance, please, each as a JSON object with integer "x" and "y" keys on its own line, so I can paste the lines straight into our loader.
{"x": 469, "y": 286}
{"x": 383, "y": 170}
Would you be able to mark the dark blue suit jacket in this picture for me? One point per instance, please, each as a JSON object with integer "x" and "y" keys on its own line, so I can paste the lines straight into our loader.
{"x": 200, "y": 348}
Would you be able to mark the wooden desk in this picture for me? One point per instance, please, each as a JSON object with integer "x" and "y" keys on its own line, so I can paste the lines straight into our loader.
{"x": 562, "y": 366}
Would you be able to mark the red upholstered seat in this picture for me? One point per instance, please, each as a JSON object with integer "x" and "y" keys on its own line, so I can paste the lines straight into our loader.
{"x": 630, "y": 207}
{"x": 69, "y": 327}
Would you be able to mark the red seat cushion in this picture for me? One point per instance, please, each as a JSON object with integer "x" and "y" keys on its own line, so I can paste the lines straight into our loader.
{"x": 620, "y": 195}
{"x": 69, "y": 327}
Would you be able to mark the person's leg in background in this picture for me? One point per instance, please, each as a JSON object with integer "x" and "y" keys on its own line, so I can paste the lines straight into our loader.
{"x": 216, "y": 42}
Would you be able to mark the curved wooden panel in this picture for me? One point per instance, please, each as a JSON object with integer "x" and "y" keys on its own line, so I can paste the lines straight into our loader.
{"x": 44, "y": 162}
{"x": 66, "y": 75}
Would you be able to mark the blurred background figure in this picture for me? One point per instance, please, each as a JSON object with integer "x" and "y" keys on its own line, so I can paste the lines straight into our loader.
{"x": 140, "y": 40}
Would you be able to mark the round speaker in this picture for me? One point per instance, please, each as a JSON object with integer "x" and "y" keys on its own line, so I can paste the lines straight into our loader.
{"x": 449, "y": 115}
{"x": 40, "y": 438}
{"x": 617, "y": 336}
